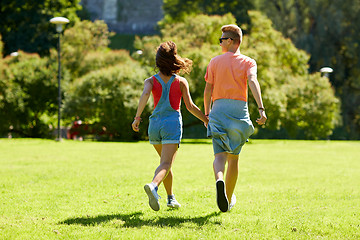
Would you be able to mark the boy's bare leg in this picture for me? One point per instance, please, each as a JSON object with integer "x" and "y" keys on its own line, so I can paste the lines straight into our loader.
{"x": 219, "y": 168}
{"x": 219, "y": 165}
{"x": 231, "y": 174}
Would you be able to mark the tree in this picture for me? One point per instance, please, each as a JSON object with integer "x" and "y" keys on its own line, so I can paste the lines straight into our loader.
{"x": 105, "y": 84}
{"x": 24, "y": 24}
{"x": 83, "y": 38}
{"x": 1, "y": 46}
{"x": 290, "y": 93}
{"x": 329, "y": 31}
{"x": 28, "y": 84}
{"x": 177, "y": 10}
{"x": 28, "y": 95}
{"x": 107, "y": 99}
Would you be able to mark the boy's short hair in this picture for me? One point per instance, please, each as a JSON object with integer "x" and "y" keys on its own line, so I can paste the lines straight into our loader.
{"x": 233, "y": 31}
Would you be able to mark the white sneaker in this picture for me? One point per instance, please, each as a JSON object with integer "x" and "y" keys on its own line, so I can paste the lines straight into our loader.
{"x": 172, "y": 203}
{"x": 153, "y": 196}
{"x": 233, "y": 202}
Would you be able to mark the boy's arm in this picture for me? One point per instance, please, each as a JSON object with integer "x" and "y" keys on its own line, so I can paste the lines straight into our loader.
{"x": 256, "y": 91}
{"x": 142, "y": 103}
{"x": 190, "y": 106}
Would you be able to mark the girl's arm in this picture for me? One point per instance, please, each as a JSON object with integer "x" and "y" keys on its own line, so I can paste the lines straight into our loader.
{"x": 190, "y": 106}
{"x": 207, "y": 98}
{"x": 148, "y": 84}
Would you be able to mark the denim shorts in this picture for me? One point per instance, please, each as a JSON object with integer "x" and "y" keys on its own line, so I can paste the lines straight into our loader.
{"x": 229, "y": 125}
{"x": 165, "y": 130}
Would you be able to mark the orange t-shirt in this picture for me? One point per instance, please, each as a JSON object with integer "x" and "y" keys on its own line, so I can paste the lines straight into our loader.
{"x": 229, "y": 73}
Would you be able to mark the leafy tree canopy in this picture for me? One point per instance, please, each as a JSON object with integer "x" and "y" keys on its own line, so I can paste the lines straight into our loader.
{"x": 80, "y": 40}
{"x": 28, "y": 95}
{"x": 24, "y": 24}
{"x": 330, "y": 32}
{"x": 176, "y": 10}
{"x": 108, "y": 98}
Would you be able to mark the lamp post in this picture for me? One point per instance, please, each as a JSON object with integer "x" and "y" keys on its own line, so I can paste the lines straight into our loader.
{"x": 59, "y": 21}
{"x": 14, "y": 54}
{"x": 326, "y": 71}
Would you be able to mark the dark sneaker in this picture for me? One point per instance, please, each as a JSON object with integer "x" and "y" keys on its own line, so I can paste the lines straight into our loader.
{"x": 221, "y": 198}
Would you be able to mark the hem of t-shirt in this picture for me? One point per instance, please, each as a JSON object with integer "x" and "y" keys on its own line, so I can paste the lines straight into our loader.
{"x": 241, "y": 99}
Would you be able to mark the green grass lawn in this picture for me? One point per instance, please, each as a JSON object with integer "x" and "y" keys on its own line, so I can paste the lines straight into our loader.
{"x": 94, "y": 190}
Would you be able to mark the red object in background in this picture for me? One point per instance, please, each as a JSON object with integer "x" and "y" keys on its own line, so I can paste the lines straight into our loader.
{"x": 78, "y": 131}
{"x": 74, "y": 132}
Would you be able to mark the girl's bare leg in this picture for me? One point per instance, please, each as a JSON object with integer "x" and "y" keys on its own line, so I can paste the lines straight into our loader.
{"x": 168, "y": 153}
{"x": 169, "y": 178}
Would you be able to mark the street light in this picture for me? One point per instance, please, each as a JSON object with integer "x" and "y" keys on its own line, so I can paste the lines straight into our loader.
{"x": 59, "y": 21}
{"x": 326, "y": 71}
{"x": 14, "y": 54}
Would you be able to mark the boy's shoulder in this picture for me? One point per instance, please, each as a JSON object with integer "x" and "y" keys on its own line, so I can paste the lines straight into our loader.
{"x": 221, "y": 56}
{"x": 244, "y": 57}
{"x": 230, "y": 56}
{"x": 246, "y": 60}
{"x": 217, "y": 59}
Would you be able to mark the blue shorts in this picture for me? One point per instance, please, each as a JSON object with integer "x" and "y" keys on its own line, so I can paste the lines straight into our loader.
{"x": 229, "y": 125}
{"x": 165, "y": 131}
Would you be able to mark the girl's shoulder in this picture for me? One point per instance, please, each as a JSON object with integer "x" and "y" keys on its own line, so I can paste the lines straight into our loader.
{"x": 149, "y": 80}
{"x": 182, "y": 82}
{"x": 181, "y": 79}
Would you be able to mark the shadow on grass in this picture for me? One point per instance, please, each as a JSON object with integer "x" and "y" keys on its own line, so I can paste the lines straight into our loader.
{"x": 135, "y": 220}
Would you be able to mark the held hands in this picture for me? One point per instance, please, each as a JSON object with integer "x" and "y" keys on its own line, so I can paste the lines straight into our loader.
{"x": 136, "y": 123}
{"x": 263, "y": 118}
{"x": 207, "y": 121}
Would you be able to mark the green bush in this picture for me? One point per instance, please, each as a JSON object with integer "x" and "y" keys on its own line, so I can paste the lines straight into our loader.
{"x": 1, "y": 47}
{"x": 108, "y": 98}
{"x": 301, "y": 103}
{"x": 101, "y": 59}
{"x": 28, "y": 98}
{"x": 83, "y": 38}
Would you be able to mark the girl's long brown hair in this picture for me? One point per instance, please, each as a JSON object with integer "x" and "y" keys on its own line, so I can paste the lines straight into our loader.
{"x": 169, "y": 62}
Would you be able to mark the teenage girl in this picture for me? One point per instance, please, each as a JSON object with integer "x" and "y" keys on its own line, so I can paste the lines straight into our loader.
{"x": 165, "y": 125}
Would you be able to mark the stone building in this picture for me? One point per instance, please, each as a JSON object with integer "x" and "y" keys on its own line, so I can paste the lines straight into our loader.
{"x": 126, "y": 16}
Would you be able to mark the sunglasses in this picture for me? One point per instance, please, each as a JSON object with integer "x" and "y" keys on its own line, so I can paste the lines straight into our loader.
{"x": 221, "y": 39}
